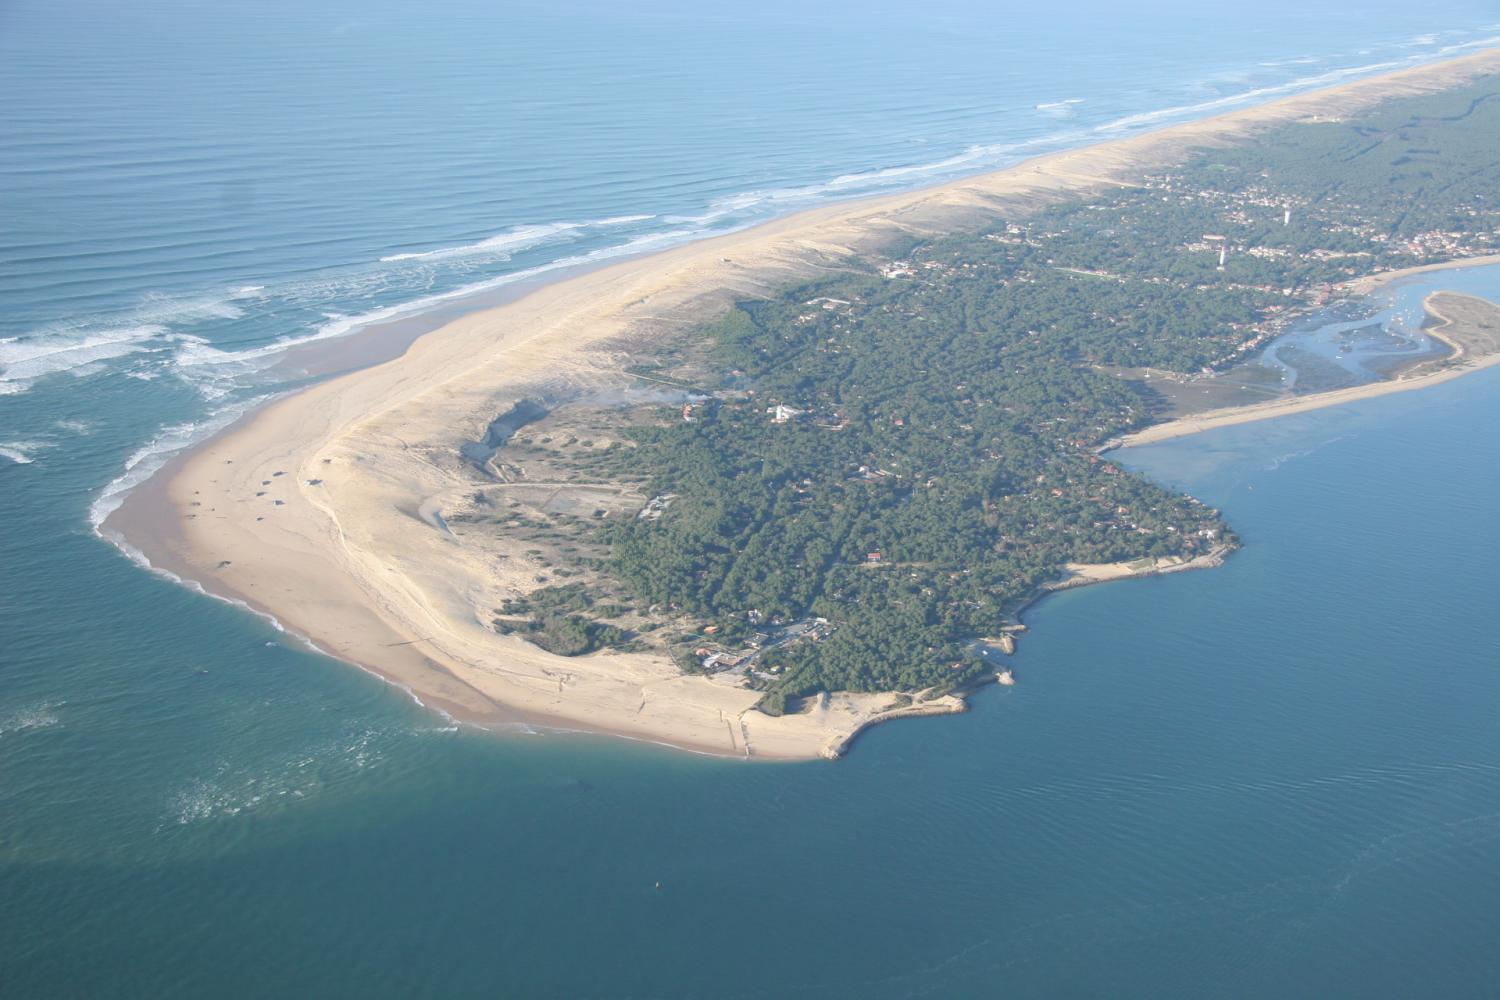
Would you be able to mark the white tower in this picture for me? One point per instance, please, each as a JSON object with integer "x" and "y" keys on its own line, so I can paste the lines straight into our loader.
{"x": 1286, "y": 220}
{"x": 1223, "y": 253}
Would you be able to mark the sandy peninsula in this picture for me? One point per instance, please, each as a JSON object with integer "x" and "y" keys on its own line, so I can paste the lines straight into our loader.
{"x": 324, "y": 508}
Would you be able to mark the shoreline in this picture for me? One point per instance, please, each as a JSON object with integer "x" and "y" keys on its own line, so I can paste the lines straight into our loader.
{"x": 305, "y": 509}
{"x": 1086, "y": 574}
{"x": 1368, "y": 284}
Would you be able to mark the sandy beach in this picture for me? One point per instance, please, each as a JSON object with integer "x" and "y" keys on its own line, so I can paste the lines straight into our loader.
{"x": 1366, "y": 285}
{"x": 1084, "y": 574}
{"x": 317, "y": 510}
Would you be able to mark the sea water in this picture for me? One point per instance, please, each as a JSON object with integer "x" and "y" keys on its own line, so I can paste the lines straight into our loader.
{"x": 1278, "y": 777}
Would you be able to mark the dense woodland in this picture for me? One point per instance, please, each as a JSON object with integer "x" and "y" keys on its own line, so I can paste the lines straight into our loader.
{"x": 940, "y": 465}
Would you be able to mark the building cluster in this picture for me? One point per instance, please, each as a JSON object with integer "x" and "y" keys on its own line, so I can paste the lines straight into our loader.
{"x": 1259, "y": 207}
{"x": 715, "y": 656}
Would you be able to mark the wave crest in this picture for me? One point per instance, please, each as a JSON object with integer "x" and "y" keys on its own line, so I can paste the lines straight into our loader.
{"x": 39, "y": 716}
{"x": 502, "y": 245}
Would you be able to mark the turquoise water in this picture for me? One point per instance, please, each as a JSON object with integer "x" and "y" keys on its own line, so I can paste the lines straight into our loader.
{"x": 1277, "y": 778}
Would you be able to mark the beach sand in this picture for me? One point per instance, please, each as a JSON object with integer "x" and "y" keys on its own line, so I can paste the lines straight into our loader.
{"x": 1083, "y": 574}
{"x": 311, "y": 509}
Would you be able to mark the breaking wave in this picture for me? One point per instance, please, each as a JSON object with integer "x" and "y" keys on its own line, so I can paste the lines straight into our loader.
{"x": 1185, "y": 111}
{"x": 232, "y": 789}
{"x": 520, "y": 238}
{"x": 24, "y": 360}
{"x": 1066, "y": 108}
{"x": 39, "y": 716}
{"x": 502, "y": 245}
{"x": 20, "y": 452}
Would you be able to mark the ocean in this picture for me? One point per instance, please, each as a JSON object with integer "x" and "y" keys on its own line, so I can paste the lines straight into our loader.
{"x": 1274, "y": 778}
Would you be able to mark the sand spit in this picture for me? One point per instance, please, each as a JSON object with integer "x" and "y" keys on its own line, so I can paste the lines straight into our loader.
{"x": 1474, "y": 347}
{"x": 311, "y": 510}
